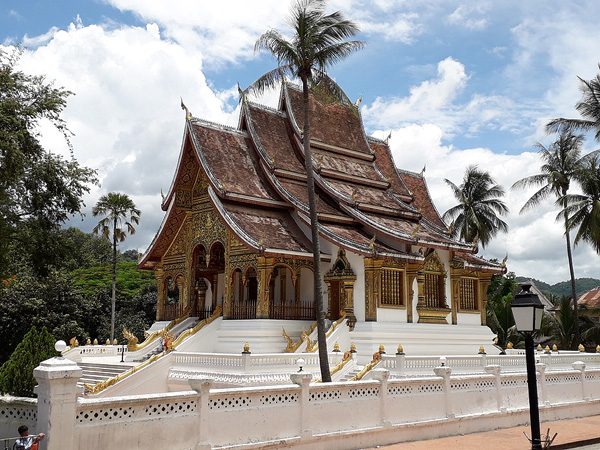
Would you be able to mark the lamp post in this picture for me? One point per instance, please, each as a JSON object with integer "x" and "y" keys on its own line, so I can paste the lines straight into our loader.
{"x": 527, "y": 310}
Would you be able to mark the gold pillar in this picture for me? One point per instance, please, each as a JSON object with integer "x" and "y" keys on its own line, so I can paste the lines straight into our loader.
{"x": 297, "y": 288}
{"x": 485, "y": 280}
{"x": 265, "y": 265}
{"x": 349, "y": 302}
{"x": 372, "y": 288}
{"x": 160, "y": 303}
{"x": 454, "y": 293}
{"x": 181, "y": 287}
{"x": 201, "y": 298}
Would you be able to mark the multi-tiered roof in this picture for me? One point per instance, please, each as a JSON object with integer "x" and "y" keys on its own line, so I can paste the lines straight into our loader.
{"x": 256, "y": 181}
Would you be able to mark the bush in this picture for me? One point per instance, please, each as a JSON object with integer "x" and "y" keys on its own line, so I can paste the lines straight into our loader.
{"x": 16, "y": 374}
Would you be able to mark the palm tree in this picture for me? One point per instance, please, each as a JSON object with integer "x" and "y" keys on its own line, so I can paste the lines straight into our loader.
{"x": 588, "y": 107}
{"x": 119, "y": 213}
{"x": 583, "y": 210}
{"x": 476, "y": 215}
{"x": 318, "y": 42}
{"x": 560, "y": 162}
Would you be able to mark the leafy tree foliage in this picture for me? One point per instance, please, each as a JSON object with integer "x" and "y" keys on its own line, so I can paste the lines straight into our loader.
{"x": 475, "y": 217}
{"x": 16, "y": 374}
{"x": 38, "y": 189}
{"x": 318, "y": 42}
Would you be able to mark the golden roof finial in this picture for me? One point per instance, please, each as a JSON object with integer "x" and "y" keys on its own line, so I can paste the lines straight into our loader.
{"x": 510, "y": 345}
{"x": 387, "y": 139}
{"x": 242, "y": 93}
{"x": 162, "y": 195}
{"x": 358, "y": 102}
{"x": 451, "y": 227}
{"x": 475, "y": 239}
{"x": 416, "y": 230}
{"x": 188, "y": 114}
{"x": 504, "y": 260}
{"x": 353, "y": 196}
{"x": 372, "y": 242}
{"x": 423, "y": 170}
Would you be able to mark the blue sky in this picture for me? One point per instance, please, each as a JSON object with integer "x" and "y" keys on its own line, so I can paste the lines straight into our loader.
{"x": 456, "y": 82}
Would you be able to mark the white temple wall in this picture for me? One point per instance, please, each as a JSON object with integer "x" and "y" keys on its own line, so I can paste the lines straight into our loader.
{"x": 306, "y": 284}
{"x": 468, "y": 318}
{"x": 358, "y": 266}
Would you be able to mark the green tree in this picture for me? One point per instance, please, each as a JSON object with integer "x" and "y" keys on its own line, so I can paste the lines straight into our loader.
{"x": 475, "y": 217}
{"x": 319, "y": 41}
{"x": 16, "y": 374}
{"x": 583, "y": 210}
{"x": 588, "y": 107}
{"x": 39, "y": 190}
{"x": 120, "y": 213}
{"x": 560, "y": 162}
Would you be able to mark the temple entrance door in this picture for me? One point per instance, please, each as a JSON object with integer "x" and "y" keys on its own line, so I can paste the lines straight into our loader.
{"x": 334, "y": 312}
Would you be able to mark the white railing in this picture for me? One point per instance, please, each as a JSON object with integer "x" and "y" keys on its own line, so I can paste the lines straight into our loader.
{"x": 356, "y": 414}
{"x": 77, "y": 353}
{"x": 401, "y": 365}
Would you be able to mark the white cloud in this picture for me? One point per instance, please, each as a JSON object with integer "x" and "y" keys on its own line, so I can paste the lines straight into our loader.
{"x": 469, "y": 15}
{"x": 126, "y": 113}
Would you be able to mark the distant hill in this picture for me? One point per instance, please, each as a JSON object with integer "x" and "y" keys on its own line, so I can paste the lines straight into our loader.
{"x": 582, "y": 285}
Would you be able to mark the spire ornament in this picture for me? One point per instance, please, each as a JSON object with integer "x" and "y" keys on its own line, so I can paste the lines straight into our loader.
{"x": 188, "y": 114}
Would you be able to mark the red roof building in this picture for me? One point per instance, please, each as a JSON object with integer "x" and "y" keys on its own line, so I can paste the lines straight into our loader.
{"x": 236, "y": 230}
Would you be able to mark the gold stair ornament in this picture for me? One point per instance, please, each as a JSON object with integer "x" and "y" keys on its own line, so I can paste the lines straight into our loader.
{"x": 353, "y": 348}
{"x": 547, "y": 349}
{"x": 115, "y": 342}
{"x": 400, "y": 350}
{"x": 381, "y": 349}
{"x": 95, "y": 341}
{"x": 539, "y": 347}
{"x": 336, "y": 347}
{"x": 246, "y": 348}
{"x": 88, "y": 342}
{"x": 598, "y": 349}
{"x": 581, "y": 348}
{"x": 554, "y": 348}
{"x": 510, "y": 345}
{"x": 481, "y": 350}
{"x": 107, "y": 341}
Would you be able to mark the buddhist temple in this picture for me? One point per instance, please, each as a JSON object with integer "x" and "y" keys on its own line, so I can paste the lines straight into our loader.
{"x": 236, "y": 230}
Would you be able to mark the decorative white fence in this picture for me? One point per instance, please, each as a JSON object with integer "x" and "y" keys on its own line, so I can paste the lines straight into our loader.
{"x": 304, "y": 414}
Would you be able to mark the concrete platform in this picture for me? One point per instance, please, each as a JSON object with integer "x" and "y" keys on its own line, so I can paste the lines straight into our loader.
{"x": 575, "y": 433}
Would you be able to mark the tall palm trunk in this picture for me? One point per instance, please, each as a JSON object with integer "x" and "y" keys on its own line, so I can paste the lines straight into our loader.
{"x": 577, "y": 337}
{"x": 114, "y": 284}
{"x": 314, "y": 226}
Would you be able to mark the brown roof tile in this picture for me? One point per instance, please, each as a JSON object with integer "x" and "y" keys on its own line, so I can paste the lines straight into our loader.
{"x": 384, "y": 162}
{"x": 333, "y": 124}
{"x": 418, "y": 187}
{"x": 590, "y": 299}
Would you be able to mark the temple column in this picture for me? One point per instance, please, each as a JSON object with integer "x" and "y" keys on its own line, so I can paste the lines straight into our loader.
{"x": 201, "y": 290}
{"x": 160, "y": 303}
{"x": 349, "y": 302}
{"x": 454, "y": 292}
{"x": 181, "y": 287}
{"x": 265, "y": 265}
{"x": 372, "y": 287}
{"x": 485, "y": 279}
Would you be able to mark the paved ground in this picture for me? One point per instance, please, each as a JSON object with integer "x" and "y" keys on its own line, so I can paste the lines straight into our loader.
{"x": 575, "y": 433}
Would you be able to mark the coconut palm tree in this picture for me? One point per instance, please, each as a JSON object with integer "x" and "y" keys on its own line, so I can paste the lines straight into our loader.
{"x": 588, "y": 107}
{"x": 119, "y": 213}
{"x": 319, "y": 41}
{"x": 583, "y": 210}
{"x": 560, "y": 162}
{"x": 475, "y": 217}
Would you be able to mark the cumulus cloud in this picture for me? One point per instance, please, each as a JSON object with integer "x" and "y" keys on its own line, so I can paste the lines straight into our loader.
{"x": 470, "y": 15}
{"x": 126, "y": 113}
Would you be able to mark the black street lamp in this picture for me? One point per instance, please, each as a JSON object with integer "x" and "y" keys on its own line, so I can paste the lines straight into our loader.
{"x": 527, "y": 310}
